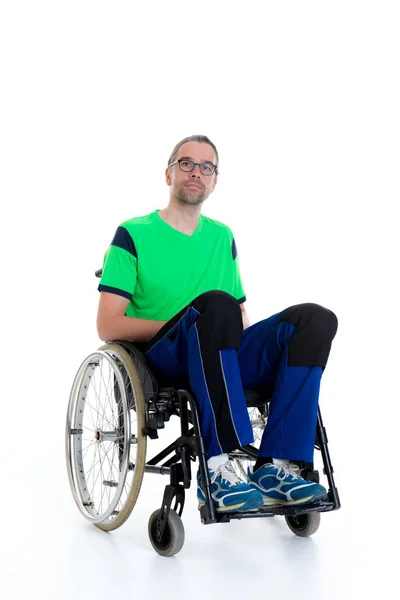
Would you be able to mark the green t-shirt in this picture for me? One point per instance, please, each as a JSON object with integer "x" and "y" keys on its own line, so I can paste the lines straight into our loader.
{"x": 161, "y": 270}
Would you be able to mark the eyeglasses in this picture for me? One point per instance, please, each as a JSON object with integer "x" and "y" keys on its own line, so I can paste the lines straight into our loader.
{"x": 206, "y": 168}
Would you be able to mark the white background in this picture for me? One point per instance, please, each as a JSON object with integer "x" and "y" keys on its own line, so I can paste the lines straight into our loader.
{"x": 302, "y": 101}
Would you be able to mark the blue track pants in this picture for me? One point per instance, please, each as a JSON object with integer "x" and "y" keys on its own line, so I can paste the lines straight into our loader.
{"x": 205, "y": 343}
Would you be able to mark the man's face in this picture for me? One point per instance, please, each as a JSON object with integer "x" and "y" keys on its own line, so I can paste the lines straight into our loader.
{"x": 192, "y": 187}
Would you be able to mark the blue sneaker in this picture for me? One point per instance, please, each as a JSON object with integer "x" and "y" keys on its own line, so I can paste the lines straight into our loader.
{"x": 283, "y": 485}
{"x": 230, "y": 494}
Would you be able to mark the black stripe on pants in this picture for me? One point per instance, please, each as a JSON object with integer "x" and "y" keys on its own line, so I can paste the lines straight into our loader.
{"x": 219, "y": 326}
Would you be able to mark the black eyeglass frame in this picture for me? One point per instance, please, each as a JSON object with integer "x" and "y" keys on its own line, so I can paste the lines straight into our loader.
{"x": 194, "y": 166}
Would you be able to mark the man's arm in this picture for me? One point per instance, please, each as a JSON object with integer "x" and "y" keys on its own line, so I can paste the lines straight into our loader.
{"x": 112, "y": 324}
{"x": 245, "y": 316}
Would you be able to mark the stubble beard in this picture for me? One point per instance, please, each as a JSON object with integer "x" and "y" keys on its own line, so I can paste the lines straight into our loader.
{"x": 191, "y": 197}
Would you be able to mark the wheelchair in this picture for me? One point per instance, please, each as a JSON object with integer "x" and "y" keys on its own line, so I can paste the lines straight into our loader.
{"x": 117, "y": 406}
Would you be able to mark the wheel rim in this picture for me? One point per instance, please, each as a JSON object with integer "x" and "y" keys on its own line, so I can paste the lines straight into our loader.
{"x": 299, "y": 522}
{"x": 165, "y": 541}
{"x": 98, "y": 437}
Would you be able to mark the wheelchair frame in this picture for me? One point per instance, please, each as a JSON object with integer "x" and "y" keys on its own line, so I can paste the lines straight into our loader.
{"x": 190, "y": 445}
{"x": 161, "y": 403}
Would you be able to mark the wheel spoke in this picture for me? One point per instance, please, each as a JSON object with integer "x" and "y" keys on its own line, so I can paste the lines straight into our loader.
{"x": 98, "y": 399}
{"x": 86, "y": 448}
{"x": 107, "y": 387}
{"x": 108, "y": 422}
{"x": 242, "y": 461}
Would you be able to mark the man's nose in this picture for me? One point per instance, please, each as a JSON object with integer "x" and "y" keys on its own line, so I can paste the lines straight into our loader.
{"x": 196, "y": 171}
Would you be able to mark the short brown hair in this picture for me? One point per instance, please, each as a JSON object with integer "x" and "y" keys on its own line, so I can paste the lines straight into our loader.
{"x": 203, "y": 139}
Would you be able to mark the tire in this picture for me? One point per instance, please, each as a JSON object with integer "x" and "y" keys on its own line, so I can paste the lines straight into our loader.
{"x": 105, "y": 447}
{"x": 173, "y": 537}
{"x": 304, "y": 525}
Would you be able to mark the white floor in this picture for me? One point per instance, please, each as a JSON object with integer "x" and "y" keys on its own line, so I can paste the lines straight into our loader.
{"x": 51, "y": 551}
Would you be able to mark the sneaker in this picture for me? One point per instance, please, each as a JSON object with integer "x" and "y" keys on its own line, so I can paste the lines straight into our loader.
{"x": 283, "y": 485}
{"x": 230, "y": 494}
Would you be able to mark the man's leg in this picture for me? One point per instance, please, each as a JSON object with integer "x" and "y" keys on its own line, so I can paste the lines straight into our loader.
{"x": 291, "y": 349}
{"x": 201, "y": 342}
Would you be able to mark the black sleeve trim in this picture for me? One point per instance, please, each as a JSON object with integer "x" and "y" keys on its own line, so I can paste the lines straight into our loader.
{"x": 122, "y": 239}
{"x": 242, "y": 300}
{"x": 113, "y": 290}
{"x": 234, "y": 249}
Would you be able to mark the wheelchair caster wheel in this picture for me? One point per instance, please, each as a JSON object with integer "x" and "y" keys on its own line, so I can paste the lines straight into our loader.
{"x": 173, "y": 537}
{"x": 304, "y": 525}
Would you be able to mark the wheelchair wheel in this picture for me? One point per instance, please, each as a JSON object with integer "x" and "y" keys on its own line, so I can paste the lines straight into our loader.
{"x": 304, "y": 525}
{"x": 240, "y": 460}
{"x": 173, "y": 538}
{"x": 258, "y": 419}
{"x": 105, "y": 446}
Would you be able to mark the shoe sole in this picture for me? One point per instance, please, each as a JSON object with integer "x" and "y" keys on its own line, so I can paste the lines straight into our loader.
{"x": 235, "y": 507}
{"x": 308, "y": 500}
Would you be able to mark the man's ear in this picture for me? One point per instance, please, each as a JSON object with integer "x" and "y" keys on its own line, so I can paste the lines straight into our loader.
{"x": 168, "y": 176}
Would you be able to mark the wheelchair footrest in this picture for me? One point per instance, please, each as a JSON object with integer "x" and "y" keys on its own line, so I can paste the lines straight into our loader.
{"x": 276, "y": 510}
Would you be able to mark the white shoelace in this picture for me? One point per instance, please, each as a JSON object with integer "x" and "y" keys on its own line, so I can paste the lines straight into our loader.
{"x": 227, "y": 473}
{"x": 289, "y": 469}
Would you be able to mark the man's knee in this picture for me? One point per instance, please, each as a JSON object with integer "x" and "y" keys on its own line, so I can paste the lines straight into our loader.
{"x": 316, "y": 326}
{"x": 221, "y": 318}
{"x": 217, "y": 302}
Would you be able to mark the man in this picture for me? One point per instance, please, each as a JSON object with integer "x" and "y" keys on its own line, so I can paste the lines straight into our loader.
{"x": 171, "y": 284}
